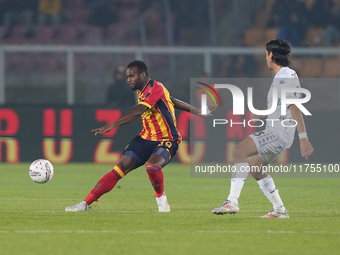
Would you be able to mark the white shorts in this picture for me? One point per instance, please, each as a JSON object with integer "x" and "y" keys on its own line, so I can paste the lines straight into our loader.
{"x": 268, "y": 144}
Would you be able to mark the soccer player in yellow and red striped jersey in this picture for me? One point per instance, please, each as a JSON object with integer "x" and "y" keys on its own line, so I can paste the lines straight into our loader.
{"x": 155, "y": 146}
{"x": 159, "y": 122}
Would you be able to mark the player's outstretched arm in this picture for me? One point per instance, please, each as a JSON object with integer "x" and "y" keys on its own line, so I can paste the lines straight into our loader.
{"x": 130, "y": 116}
{"x": 183, "y": 106}
{"x": 305, "y": 146}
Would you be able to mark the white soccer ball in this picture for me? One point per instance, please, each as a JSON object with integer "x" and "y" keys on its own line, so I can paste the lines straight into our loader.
{"x": 41, "y": 171}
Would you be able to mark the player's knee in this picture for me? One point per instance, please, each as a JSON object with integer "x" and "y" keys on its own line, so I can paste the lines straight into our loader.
{"x": 126, "y": 165}
{"x": 156, "y": 159}
{"x": 159, "y": 165}
{"x": 238, "y": 152}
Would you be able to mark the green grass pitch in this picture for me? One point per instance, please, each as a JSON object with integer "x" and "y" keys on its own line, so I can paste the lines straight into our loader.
{"x": 127, "y": 221}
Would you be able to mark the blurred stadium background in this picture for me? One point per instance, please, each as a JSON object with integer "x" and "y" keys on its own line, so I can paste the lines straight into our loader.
{"x": 69, "y": 53}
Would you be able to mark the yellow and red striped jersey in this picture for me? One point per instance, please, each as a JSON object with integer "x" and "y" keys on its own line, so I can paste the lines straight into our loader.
{"x": 159, "y": 121}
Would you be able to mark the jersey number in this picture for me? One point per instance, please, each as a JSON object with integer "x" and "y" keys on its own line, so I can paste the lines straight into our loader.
{"x": 167, "y": 144}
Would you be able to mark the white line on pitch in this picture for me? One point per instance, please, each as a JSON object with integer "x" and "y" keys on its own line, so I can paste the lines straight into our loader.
{"x": 158, "y": 232}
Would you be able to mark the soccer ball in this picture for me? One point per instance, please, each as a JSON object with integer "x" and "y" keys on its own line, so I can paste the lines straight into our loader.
{"x": 41, "y": 171}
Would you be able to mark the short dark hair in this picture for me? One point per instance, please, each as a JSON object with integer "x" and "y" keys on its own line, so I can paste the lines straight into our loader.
{"x": 141, "y": 66}
{"x": 281, "y": 50}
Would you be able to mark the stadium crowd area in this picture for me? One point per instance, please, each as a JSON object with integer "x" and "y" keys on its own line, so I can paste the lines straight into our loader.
{"x": 305, "y": 23}
{"x": 117, "y": 22}
{"x": 95, "y": 22}
{"x": 104, "y": 22}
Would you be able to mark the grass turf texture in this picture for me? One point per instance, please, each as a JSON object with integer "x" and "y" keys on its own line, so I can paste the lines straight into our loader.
{"x": 127, "y": 221}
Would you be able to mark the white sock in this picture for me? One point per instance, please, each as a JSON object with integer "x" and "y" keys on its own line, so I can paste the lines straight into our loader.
{"x": 271, "y": 192}
{"x": 237, "y": 181}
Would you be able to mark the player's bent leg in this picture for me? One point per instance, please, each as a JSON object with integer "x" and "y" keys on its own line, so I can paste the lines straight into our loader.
{"x": 267, "y": 186}
{"x": 105, "y": 184}
{"x": 255, "y": 163}
{"x": 243, "y": 150}
{"x": 154, "y": 167}
{"x": 269, "y": 189}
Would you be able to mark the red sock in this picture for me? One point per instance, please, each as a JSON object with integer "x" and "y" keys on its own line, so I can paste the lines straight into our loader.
{"x": 105, "y": 184}
{"x": 156, "y": 177}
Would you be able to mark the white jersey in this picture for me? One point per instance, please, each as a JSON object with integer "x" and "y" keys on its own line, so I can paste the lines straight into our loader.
{"x": 285, "y": 78}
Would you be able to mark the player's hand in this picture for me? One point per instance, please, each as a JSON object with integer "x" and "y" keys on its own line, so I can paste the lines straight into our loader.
{"x": 306, "y": 148}
{"x": 103, "y": 130}
{"x": 211, "y": 109}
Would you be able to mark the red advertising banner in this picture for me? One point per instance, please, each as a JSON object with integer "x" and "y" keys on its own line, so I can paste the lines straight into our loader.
{"x": 64, "y": 135}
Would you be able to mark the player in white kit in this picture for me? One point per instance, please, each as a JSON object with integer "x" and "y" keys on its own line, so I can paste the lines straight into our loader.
{"x": 266, "y": 145}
